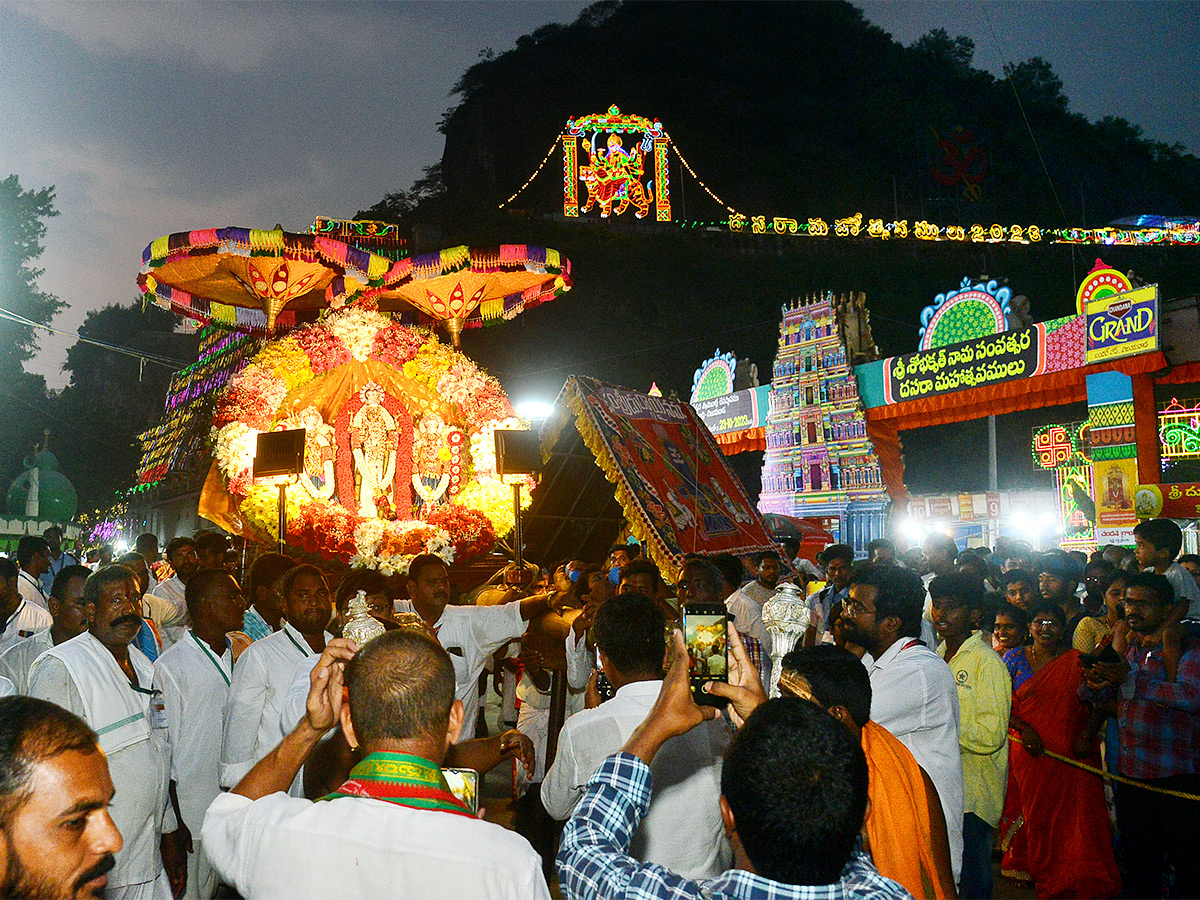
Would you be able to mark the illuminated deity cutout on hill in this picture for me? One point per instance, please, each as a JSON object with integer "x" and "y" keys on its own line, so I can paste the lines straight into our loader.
{"x": 614, "y": 173}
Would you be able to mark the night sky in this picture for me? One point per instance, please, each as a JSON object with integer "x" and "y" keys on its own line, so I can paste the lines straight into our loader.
{"x": 154, "y": 118}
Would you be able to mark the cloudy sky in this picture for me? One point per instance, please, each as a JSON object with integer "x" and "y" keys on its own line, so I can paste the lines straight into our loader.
{"x": 151, "y": 118}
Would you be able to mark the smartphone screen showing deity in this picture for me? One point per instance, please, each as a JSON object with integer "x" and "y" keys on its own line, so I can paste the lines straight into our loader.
{"x": 704, "y": 632}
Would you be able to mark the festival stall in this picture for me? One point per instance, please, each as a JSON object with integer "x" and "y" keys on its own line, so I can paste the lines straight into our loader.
{"x": 613, "y": 455}
{"x": 398, "y": 426}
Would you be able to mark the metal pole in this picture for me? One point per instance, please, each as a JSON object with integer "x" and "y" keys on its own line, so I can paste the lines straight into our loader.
{"x": 992, "y": 479}
{"x": 517, "y": 536}
{"x": 282, "y": 544}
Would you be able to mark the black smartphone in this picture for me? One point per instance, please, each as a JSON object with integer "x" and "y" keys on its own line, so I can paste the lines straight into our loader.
{"x": 705, "y": 631}
{"x": 464, "y": 784}
{"x": 1106, "y": 655}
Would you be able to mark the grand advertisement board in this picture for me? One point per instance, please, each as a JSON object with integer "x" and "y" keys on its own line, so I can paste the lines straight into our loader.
{"x": 1122, "y": 324}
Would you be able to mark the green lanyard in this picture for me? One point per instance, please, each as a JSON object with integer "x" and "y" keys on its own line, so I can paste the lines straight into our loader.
{"x": 305, "y": 652}
{"x": 212, "y": 657}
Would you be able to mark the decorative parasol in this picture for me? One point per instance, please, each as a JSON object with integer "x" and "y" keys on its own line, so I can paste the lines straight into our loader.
{"x": 469, "y": 287}
{"x": 244, "y": 277}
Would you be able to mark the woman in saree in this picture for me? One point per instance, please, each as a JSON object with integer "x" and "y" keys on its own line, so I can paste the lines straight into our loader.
{"x": 1054, "y": 829}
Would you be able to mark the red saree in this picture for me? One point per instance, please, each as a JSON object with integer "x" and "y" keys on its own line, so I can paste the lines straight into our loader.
{"x": 1054, "y": 829}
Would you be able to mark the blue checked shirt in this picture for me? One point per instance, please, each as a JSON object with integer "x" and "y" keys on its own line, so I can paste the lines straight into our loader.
{"x": 593, "y": 860}
{"x": 255, "y": 625}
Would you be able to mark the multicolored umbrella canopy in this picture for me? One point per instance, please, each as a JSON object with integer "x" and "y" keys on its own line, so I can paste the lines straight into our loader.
{"x": 254, "y": 279}
{"x": 469, "y": 287}
{"x": 244, "y": 277}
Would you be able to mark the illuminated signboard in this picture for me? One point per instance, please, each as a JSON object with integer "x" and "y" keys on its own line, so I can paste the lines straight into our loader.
{"x": 1122, "y": 324}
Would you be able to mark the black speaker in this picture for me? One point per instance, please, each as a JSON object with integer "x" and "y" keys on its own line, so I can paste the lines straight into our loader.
{"x": 279, "y": 453}
{"x": 518, "y": 452}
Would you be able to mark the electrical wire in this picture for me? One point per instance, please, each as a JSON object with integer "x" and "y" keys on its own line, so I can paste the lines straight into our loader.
{"x": 165, "y": 361}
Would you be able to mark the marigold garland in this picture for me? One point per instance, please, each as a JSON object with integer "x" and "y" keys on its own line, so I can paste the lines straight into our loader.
{"x": 473, "y": 402}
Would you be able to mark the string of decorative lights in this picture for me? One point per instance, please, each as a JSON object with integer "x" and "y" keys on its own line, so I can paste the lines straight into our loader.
{"x": 707, "y": 190}
{"x": 529, "y": 180}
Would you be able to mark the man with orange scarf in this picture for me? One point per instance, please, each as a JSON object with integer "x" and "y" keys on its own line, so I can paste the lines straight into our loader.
{"x": 905, "y": 827}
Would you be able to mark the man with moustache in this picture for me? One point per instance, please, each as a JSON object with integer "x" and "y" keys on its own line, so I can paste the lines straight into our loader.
{"x": 913, "y": 694}
{"x": 59, "y": 840}
{"x": 69, "y": 617}
{"x": 181, "y": 554}
{"x": 1158, "y": 730}
{"x": 194, "y": 678}
{"x": 264, "y": 672}
{"x": 470, "y": 634}
{"x": 109, "y": 684}
{"x": 19, "y": 618}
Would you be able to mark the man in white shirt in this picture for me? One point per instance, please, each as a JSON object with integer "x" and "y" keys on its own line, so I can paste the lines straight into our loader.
{"x": 181, "y": 554}
{"x": 109, "y": 685}
{"x": 746, "y": 602}
{"x": 913, "y": 694}
{"x": 470, "y": 634}
{"x": 147, "y": 545}
{"x": 19, "y": 618}
{"x": 393, "y": 829}
{"x": 194, "y": 678}
{"x": 682, "y": 829}
{"x": 264, "y": 672}
{"x": 839, "y": 564}
{"x": 33, "y": 555}
{"x": 59, "y": 558}
{"x": 69, "y": 615}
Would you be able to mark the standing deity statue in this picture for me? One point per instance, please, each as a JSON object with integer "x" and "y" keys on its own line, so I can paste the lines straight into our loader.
{"x": 431, "y": 454}
{"x": 373, "y": 434}
{"x": 320, "y": 451}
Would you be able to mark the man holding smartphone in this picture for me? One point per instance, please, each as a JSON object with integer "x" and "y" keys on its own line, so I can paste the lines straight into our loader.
{"x": 682, "y": 828}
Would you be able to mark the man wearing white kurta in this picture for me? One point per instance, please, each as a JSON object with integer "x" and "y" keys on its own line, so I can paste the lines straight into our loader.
{"x": 33, "y": 555}
{"x": 470, "y": 634}
{"x": 393, "y": 829}
{"x": 264, "y": 673}
{"x": 913, "y": 694}
{"x": 682, "y": 829}
{"x": 18, "y": 617}
{"x": 108, "y": 684}
{"x": 168, "y": 595}
{"x": 69, "y": 617}
{"x": 194, "y": 678}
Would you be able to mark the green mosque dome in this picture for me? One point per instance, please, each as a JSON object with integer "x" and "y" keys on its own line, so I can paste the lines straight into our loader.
{"x": 57, "y": 500}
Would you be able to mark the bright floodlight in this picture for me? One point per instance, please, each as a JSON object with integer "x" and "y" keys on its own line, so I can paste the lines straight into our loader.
{"x": 1019, "y": 520}
{"x": 534, "y": 410}
{"x": 912, "y": 530}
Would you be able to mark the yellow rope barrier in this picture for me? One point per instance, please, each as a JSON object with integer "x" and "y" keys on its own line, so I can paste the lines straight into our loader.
{"x": 1110, "y": 776}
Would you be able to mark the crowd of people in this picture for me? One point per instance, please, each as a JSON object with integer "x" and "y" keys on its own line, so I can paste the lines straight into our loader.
{"x": 173, "y": 733}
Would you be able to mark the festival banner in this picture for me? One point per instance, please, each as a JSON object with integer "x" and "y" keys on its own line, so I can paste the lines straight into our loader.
{"x": 1114, "y": 481}
{"x": 966, "y": 508}
{"x": 1169, "y": 501}
{"x": 735, "y": 412}
{"x": 1042, "y": 348}
{"x": 671, "y": 478}
{"x": 1122, "y": 324}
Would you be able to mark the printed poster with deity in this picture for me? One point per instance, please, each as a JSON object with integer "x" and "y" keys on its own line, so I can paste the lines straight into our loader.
{"x": 671, "y": 478}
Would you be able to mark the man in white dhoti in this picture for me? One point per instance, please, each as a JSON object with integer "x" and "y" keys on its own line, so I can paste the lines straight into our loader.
{"x": 393, "y": 829}
{"x": 55, "y": 789}
{"x": 194, "y": 678}
{"x": 109, "y": 684}
{"x": 69, "y": 617}
{"x": 264, "y": 672}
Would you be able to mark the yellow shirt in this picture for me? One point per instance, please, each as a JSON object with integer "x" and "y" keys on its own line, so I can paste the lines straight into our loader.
{"x": 1089, "y": 632}
{"x": 984, "y": 704}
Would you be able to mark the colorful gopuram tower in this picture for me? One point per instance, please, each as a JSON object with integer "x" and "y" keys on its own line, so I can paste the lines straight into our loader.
{"x": 819, "y": 462}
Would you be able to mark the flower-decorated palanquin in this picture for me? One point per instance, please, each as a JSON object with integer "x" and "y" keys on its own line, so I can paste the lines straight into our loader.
{"x": 399, "y": 457}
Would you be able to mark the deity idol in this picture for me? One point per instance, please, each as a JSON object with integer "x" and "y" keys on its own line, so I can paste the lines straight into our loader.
{"x": 320, "y": 451}
{"x": 431, "y": 452}
{"x": 373, "y": 434}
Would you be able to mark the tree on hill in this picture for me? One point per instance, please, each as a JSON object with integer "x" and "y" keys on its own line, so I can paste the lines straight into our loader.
{"x": 112, "y": 396}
